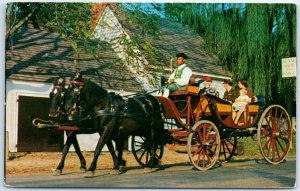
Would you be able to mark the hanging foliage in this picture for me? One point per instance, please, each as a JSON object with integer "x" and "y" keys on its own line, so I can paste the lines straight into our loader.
{"x": 249, "y": 39}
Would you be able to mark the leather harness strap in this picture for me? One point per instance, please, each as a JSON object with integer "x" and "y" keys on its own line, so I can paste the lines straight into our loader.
{"x": 77, "y": 83}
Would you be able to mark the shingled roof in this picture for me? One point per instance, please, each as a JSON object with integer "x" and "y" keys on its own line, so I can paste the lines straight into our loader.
{"x": 174, "y": 38}
{"x": 40, "y": 56}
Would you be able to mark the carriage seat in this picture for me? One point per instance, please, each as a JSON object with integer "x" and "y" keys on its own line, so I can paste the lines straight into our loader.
{"x": 189, "y": 90}
{"x": 224, "y": 107}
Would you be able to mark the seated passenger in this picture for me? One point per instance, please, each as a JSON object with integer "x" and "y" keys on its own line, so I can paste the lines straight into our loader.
{"x": 239, "y": 106}
{"x": 230, "y": 93}
{"x": 243, "y": 84}
{"x": 205, "y": 87}
{"x": 179, "y": 78}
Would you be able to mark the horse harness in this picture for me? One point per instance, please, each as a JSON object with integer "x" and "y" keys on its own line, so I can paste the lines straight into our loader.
{"x": 111, "y": 109}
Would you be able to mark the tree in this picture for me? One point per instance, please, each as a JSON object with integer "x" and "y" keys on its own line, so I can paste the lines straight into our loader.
{"x": 73, "y": 21}
{"x": 249, "y": 39}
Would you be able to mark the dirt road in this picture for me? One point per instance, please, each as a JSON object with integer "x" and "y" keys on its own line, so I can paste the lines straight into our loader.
{"x": 45, "y": 162}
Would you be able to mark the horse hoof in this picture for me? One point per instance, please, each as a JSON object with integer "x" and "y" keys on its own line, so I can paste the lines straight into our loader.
{"x": 56, "y": 172}
{"x": 114, "y": 172}
{"x": 83, "y": 170}
{"x": 123, "y": 163}
{"x": 89, "y": 174}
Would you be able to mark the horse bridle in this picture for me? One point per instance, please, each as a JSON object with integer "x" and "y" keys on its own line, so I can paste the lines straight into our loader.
{"x": 78, "y": 85}
{"x": 61, "y": 97}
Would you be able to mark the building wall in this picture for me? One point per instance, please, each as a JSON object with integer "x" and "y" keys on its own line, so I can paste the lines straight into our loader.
{"x": 14, "y": 89}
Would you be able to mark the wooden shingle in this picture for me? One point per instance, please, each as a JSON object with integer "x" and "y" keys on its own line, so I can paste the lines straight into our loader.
{"x": 40, "y": 56}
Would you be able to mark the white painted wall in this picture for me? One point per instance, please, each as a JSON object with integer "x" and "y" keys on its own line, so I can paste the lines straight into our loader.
{"x": 14, "y": 89}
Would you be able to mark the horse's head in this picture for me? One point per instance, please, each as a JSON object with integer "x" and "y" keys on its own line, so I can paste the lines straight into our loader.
{"x": 83, "y": 98}
{"x": 74, "y": 100}
{"x": 57, "y": 96}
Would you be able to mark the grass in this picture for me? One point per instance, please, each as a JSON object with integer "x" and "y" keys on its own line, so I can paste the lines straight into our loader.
{"x": 251, "y": 148}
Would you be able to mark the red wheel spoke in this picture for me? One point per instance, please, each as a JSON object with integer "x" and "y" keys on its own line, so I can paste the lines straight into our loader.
{"x": 274, "y": 140}
{"x": 283, "y": 123}
{"x": 276, "y": 146}
{"x": 200, "y": 135}
{"x": 279, "y": 143}
{"x": 204, "y": 145}
{"x": 273, "y": 148}
{"x": 199, "y": 160}
{"x": 268, "y": 123}
{"x": 208, "y": 156}
{"x": 198, "y": 152}
{"x": 214, "y": 146}
{"x": 267, "y": 144}
{"x": 280, "y": 117}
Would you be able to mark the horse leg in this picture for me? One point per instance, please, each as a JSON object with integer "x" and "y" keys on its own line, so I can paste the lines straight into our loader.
{"x": 153, "y": 149}
{"x": 70, "y": 139}
{"x": 79, "y": 154}
{"x": 104, "y": 138}
{"x": 116, "y": 166}
{"x": 154, "y": 137}
{"x": 120, "y": 148}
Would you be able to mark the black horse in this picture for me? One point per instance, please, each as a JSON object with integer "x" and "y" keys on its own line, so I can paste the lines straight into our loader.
{"x": 88, "y": 126}
{"x": 93, "y": 109}
{"x": 115, "y": 118}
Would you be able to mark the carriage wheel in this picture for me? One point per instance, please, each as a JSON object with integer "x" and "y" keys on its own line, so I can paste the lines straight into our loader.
{"x": 204, "y": 145}
{"x": 228, "y": 147}
{"x": 274, "y": 134}
{"x": 141, "y": 149}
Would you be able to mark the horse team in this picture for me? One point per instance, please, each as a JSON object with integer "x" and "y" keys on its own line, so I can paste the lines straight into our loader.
{"x": 84, "y": 104}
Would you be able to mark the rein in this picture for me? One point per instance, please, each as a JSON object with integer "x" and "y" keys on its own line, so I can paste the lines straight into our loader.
{"x": 77, "y": 83}
{"x": 143, "y": 93}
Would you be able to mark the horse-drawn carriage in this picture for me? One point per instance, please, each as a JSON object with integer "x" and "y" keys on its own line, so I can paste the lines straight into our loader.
{"x": 203, "y": 123}
{"x": 206, "y": 125}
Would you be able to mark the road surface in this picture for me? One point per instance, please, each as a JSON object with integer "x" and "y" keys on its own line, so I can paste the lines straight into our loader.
{"x": 246, "y": 173}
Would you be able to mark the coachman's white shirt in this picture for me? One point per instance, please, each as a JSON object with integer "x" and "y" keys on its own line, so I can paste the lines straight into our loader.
{"x": 186, "y": 74}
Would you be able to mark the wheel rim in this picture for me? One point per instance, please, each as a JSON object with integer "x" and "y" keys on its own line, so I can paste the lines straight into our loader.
{"x": 204, "y": 145}
{"x": 141, "y": 149}
{"x": 274, "y": 134}
{"x": 227, "y": 147}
